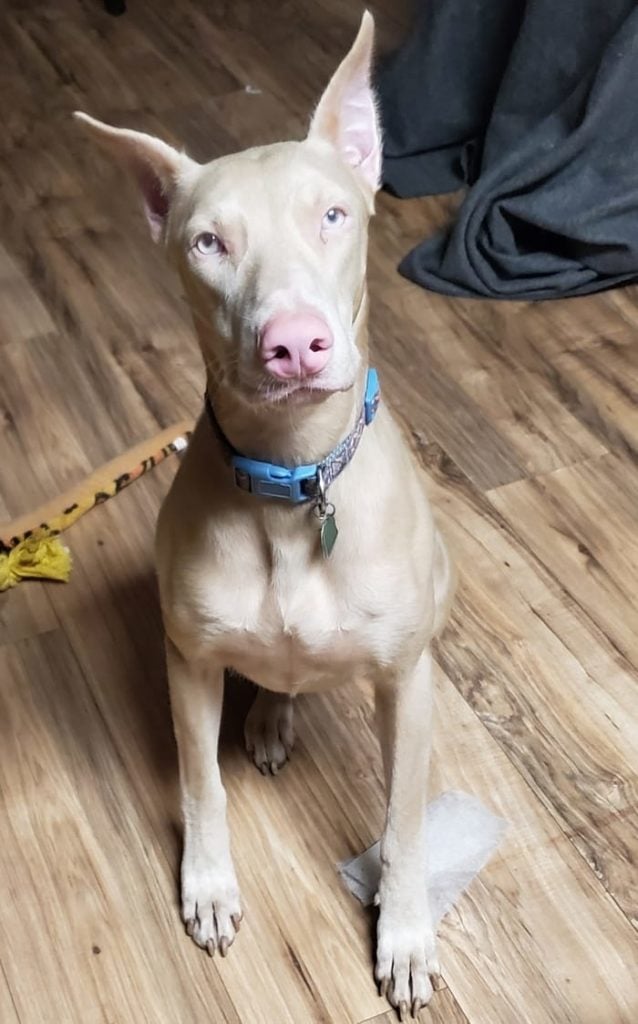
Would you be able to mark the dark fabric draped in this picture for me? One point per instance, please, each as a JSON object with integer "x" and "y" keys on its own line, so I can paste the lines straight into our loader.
{"x": 532, "y": 104}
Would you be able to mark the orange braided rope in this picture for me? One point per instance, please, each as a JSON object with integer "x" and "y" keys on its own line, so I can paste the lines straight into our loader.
{"x": 30, "y": 547}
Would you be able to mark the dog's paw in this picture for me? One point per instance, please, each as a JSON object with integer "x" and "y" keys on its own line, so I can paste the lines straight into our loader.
{"x": 406, "y": 961}
{"x": 269, "y": 731}
{"x": 211, "y": 908}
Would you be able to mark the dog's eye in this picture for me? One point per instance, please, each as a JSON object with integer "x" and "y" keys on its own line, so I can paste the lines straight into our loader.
{"x": 333, "y": 217}
{"x": 209, "y": 244}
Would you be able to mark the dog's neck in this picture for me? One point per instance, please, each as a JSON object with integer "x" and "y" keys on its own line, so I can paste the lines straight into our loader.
{"x": 287, "y": 434}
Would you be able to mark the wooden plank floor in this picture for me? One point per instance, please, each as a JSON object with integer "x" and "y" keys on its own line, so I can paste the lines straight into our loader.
{"x": 525, "y": 418}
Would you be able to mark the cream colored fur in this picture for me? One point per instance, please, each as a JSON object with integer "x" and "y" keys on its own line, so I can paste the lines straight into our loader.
{"x": 243, "y": 584}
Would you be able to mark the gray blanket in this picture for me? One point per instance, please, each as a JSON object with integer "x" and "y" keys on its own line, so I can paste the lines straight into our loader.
{"x": 532, "y": 104}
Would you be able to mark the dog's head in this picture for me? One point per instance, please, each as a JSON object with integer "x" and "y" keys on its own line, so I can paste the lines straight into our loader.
{"x": 271, "y": 243}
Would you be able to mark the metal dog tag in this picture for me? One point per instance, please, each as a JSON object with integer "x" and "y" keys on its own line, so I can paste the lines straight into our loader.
{"x": 325, "y": 513}
{"x": 329, "y": 533}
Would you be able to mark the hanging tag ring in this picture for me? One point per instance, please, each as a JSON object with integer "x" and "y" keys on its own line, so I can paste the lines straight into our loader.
{"x": 321, "y": 486}
{"x": 325, "y": 513}
{"x": 322, "y": 507}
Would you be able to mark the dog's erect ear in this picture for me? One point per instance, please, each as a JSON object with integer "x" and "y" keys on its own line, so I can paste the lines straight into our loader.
{"x": 347, "y": 115}
{"x": 154, "y": 164}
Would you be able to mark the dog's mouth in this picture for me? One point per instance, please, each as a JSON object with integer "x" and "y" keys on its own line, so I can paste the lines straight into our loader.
{"x": 297, "y": 392}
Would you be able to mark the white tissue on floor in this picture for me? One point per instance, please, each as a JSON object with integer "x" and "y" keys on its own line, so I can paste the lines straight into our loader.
{"x": 462, "y": 836}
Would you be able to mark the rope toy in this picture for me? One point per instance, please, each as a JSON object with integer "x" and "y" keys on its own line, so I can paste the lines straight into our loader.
{"x": 30, "y": 546}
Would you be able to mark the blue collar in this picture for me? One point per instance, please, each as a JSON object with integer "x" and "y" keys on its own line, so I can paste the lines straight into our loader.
{"x": 302, "y": 483}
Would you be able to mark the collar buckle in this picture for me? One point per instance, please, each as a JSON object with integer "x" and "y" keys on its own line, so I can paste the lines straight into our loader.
{"x": 272, "y": 481}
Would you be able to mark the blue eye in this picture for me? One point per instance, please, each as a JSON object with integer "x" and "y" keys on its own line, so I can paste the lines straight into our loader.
{"x": 333, "y": 217}
{"x": 209, "y": 244}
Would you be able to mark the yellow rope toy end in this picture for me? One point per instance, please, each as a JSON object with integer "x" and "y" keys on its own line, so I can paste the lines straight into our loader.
{"x": 36, "y": 557}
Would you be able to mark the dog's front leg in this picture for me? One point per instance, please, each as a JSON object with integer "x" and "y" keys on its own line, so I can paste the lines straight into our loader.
{"x": 210, "y": 896}
{"x": 406, "y": 955}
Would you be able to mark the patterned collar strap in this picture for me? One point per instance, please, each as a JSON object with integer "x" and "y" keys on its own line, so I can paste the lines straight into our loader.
{"x": 302, "y": 483}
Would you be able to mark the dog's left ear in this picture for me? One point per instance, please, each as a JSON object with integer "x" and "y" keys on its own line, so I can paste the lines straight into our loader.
{"x": 347, "y": 115}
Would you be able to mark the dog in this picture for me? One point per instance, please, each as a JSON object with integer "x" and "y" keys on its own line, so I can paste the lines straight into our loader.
{"x": 297, "y": 545}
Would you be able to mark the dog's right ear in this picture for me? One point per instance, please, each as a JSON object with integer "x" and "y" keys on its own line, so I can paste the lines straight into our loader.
{"x": 154, "y": 164}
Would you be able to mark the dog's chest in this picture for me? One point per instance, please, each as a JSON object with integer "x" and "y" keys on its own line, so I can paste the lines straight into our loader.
{"x": 300, "y": 624}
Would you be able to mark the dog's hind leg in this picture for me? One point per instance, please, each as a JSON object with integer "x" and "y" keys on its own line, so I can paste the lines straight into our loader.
{"x": 269, "y": 730}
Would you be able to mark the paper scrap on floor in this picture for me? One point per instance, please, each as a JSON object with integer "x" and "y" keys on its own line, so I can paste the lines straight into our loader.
{"x": 462, "y": 836}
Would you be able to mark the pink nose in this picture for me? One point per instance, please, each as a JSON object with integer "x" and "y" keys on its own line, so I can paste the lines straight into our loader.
{"x": 295, "y": 345}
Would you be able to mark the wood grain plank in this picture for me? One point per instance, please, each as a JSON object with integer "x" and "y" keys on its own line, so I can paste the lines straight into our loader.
{"x": 8, "y": 1009}
{"x": 581, "y": 522}
{"x": 620, "y": 304}
{"x": 27, "y": 612}
{"x": 22, "y": 314}
{"x": 424, "y": 394}
{"x": 243, "y": 43}
{"x": 533, "y": 331}
{"x": 521, "y": 405}
{"x": 600, "y": 383}
{"x": 37, "y": 437}
{"x": 245, "y": 118}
